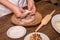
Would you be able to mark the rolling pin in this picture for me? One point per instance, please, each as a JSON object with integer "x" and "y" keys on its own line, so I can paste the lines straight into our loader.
{"x": 45, "y": 20}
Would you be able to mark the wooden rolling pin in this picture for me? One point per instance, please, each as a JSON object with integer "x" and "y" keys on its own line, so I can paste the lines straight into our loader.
{"x": 45, "y": 20}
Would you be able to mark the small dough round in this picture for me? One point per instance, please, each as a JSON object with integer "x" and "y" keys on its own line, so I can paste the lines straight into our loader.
{"x": 16, "y": 32}
{"x": 58, "y": 23}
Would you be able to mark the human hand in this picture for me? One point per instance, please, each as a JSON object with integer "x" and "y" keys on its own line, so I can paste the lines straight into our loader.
{"x": 15, "y": 9}
{"x": 19, "y": 12}
{"x": 31, "y": 7}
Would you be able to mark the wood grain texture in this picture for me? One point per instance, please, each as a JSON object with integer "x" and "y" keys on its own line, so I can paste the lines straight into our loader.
{"x": 44, "y": 8}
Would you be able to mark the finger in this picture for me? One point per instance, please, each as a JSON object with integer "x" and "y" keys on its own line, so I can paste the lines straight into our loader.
{"x": 22, "y": 10}
{"x": 33, "y": 11}
{"x": 19, "y": 14}
{"x": 29, "y": 6}
{"x": 23, "y": 16}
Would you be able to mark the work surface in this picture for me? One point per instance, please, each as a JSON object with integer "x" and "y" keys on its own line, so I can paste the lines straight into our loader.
{"x": 44, "y": 8}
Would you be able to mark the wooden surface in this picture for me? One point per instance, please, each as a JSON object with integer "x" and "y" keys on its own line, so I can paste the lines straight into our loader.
{"x": 44, "y": 8}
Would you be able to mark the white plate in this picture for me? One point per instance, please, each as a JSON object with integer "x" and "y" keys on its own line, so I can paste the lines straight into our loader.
{"x": 16, "y": 32}
{"x": 53, "y": 21}
{"x": 44, "y": 37}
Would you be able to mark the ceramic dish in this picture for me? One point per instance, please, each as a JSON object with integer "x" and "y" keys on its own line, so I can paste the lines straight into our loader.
{"x": 44, "y": 37}
{"x": 55, "y": 19}
{"x": 16, "y": 32}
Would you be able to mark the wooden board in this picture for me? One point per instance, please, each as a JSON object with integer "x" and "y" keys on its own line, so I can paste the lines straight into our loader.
{"x": 36, "y": 21}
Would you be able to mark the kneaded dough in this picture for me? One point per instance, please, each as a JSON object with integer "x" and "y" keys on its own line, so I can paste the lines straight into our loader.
{"x": 58, "y": 23}
{"x": 27, "y": 19}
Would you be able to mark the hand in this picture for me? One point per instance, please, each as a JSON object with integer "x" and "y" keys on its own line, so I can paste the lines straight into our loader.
{"x": 18, "y": 12}
{"x": 31, "y": 6}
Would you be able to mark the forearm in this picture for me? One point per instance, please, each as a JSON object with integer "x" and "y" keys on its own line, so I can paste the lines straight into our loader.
{"x": 7, "y": 4}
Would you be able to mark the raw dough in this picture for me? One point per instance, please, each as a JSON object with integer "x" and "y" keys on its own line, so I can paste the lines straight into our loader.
{"x": 58, "y": 23}
{"x": 29, "y": 18}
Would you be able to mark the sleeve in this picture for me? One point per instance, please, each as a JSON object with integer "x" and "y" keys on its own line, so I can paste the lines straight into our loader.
{"x": 15, "y": 2}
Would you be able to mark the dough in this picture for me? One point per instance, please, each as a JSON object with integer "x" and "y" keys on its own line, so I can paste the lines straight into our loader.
{"x": 27, "y": 19}
{"x": 58, "y": 23}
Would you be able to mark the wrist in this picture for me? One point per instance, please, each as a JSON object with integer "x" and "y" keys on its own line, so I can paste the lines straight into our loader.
{"x": 32, "y": 1}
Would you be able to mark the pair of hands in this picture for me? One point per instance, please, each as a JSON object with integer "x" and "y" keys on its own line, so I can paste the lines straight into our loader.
{"x": 18, "y": 10}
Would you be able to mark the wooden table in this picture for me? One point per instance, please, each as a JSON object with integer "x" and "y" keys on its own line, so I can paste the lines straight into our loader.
{"x": 44, "y": 8}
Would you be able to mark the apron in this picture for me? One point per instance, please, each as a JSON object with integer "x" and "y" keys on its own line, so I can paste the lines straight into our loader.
{"x": 5, "y": 11}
